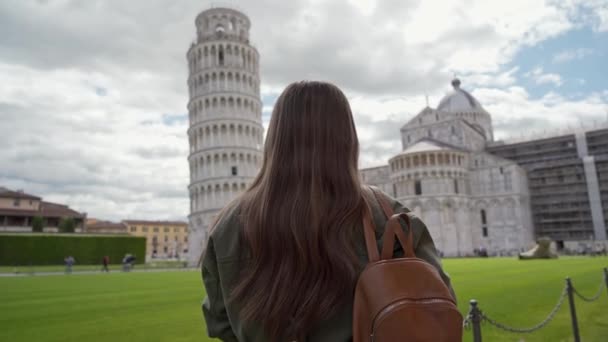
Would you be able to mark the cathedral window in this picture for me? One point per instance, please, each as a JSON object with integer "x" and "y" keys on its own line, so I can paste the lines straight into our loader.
{"x": 418, "y": 187}
{"x": 234, "y": 171}
{"x": 484, "y": 223}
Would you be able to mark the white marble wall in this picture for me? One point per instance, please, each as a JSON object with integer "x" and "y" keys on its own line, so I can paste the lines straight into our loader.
{"x": 225, "y": 111}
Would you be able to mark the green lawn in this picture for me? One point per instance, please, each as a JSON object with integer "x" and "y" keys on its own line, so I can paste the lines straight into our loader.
{"x": 166, "y": 306}
{"x": 88, "y": 268}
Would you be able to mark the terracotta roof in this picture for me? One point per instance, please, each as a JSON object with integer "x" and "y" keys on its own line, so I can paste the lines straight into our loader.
{"x": 6, "y": 193}
{"x": 48, "y": 209}
{"x": 156, "y": 223}
{"x": 106, "y": 225}
{"x": 18, "y": 212}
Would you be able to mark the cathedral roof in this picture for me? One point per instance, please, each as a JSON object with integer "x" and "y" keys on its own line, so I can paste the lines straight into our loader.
{"x": 429, "y": 145}
{"x": 459, "y": 100}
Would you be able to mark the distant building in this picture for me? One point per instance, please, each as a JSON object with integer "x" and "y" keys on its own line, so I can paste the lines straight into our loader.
{"x": 164, "y": 239}
{"x": 95, "y": 226}
{"x": 17, "y": 209}
{"x": 568, "y": 179}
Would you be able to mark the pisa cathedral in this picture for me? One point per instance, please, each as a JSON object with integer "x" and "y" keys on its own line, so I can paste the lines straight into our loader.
{"x": 471, "y": 191}
{"x": 468, "y": 197}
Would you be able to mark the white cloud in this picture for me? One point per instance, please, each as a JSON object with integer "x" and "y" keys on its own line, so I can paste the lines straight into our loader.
{"x": 122, "y": 151}
{"x": 513, "y": 108}
{"x": 569, "y": 55}
{"x": 543, "y": 78}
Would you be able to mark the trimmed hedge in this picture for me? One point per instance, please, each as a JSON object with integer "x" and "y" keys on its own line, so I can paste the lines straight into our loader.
{"x": 51, "y": 249}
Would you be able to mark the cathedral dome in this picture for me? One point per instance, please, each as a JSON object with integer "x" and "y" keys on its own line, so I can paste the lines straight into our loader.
{"x": 459, "y": 101}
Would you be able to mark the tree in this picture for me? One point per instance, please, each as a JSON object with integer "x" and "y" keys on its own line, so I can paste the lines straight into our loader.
{"x": 67, "y": 225}
{"x": 37, "y": 224}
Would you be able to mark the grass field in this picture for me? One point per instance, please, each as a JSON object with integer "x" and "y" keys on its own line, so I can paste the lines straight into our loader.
{"x": 165, "y": 306}
{"x": 88, "y": 268}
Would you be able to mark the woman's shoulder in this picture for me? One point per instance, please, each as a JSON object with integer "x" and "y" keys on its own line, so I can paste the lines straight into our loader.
{"x": 226, "y": 230}
{"x": 416, "y": 222}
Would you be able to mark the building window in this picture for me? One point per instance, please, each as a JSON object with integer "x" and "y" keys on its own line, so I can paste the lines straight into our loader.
{"x": 234, "y": 171}
{"x": 175, "y": 230}
{"x": 166, "y": 238}
{"x": 185, "y": 239}
{"x": 453, "y": 130}
{"x": 17, "y": 202}
{"x": 418, "y": 187}
{"x": 133, "y": 229}
{"x": 394, "y": 190}
{"x": 155, "y": 229}
{"x": 165, "y": 249}
{"x": 145, "y": 229}
{"x": 560, "y": 179}
{"x": 166, "y": 230}
{"x": 429, "y": 133}
{"x": 175, "y": 238}
{"x": 409, "y": 139}
{"x": 455, "y": 185}
{"x": 436, "y": 117}
{"x": 502, "y": 170}
{"x": 483, "y": 217}
{"x": 221, "y": 57}
{"x": 484, "y": 231}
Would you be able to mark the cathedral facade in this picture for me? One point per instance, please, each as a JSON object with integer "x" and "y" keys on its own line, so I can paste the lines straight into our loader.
{"x": 468, "y": 198}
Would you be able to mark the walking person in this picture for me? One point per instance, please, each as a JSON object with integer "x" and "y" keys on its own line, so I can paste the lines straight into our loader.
{"x": 105, "y": 262}
{"x": 69, "y": 262}
{"x": 283, "y": 259}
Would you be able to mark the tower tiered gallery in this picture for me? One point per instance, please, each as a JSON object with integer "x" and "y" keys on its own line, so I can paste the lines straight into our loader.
{"x": 225, "y": 111}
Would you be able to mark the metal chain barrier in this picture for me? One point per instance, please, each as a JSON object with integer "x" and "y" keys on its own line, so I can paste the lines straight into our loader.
{"x": 591, "y": 299}
{"x": 530, "y": 329}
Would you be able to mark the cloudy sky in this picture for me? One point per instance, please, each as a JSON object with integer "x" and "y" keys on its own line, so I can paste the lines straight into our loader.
{"x": 93, "y": 93}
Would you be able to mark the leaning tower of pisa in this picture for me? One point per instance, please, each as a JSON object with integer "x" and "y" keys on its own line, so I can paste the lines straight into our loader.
{"x": 225, "y": 111}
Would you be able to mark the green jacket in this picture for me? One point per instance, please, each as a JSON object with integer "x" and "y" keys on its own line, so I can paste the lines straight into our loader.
{"x": 220, "y": 268}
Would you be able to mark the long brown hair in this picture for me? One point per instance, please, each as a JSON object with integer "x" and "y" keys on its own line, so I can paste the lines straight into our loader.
{"x": 300, "y": 213}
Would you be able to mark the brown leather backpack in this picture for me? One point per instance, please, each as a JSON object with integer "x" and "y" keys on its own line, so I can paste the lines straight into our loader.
{"x": 401, "y": 299}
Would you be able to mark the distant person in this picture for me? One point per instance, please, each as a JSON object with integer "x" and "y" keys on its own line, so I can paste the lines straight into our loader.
{"x": 69, "y": 262}
{"x": 105, "y": 262}
{"x": 283, "y": 258}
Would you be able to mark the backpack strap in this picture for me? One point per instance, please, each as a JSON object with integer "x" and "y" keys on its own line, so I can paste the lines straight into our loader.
{"x": 393, "y": 227}
{"x": 370, "y": 233}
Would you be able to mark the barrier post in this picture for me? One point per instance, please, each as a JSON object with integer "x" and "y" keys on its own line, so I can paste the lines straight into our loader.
{"x": 575, "y": 332}
{"x": 475, "y": 320}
